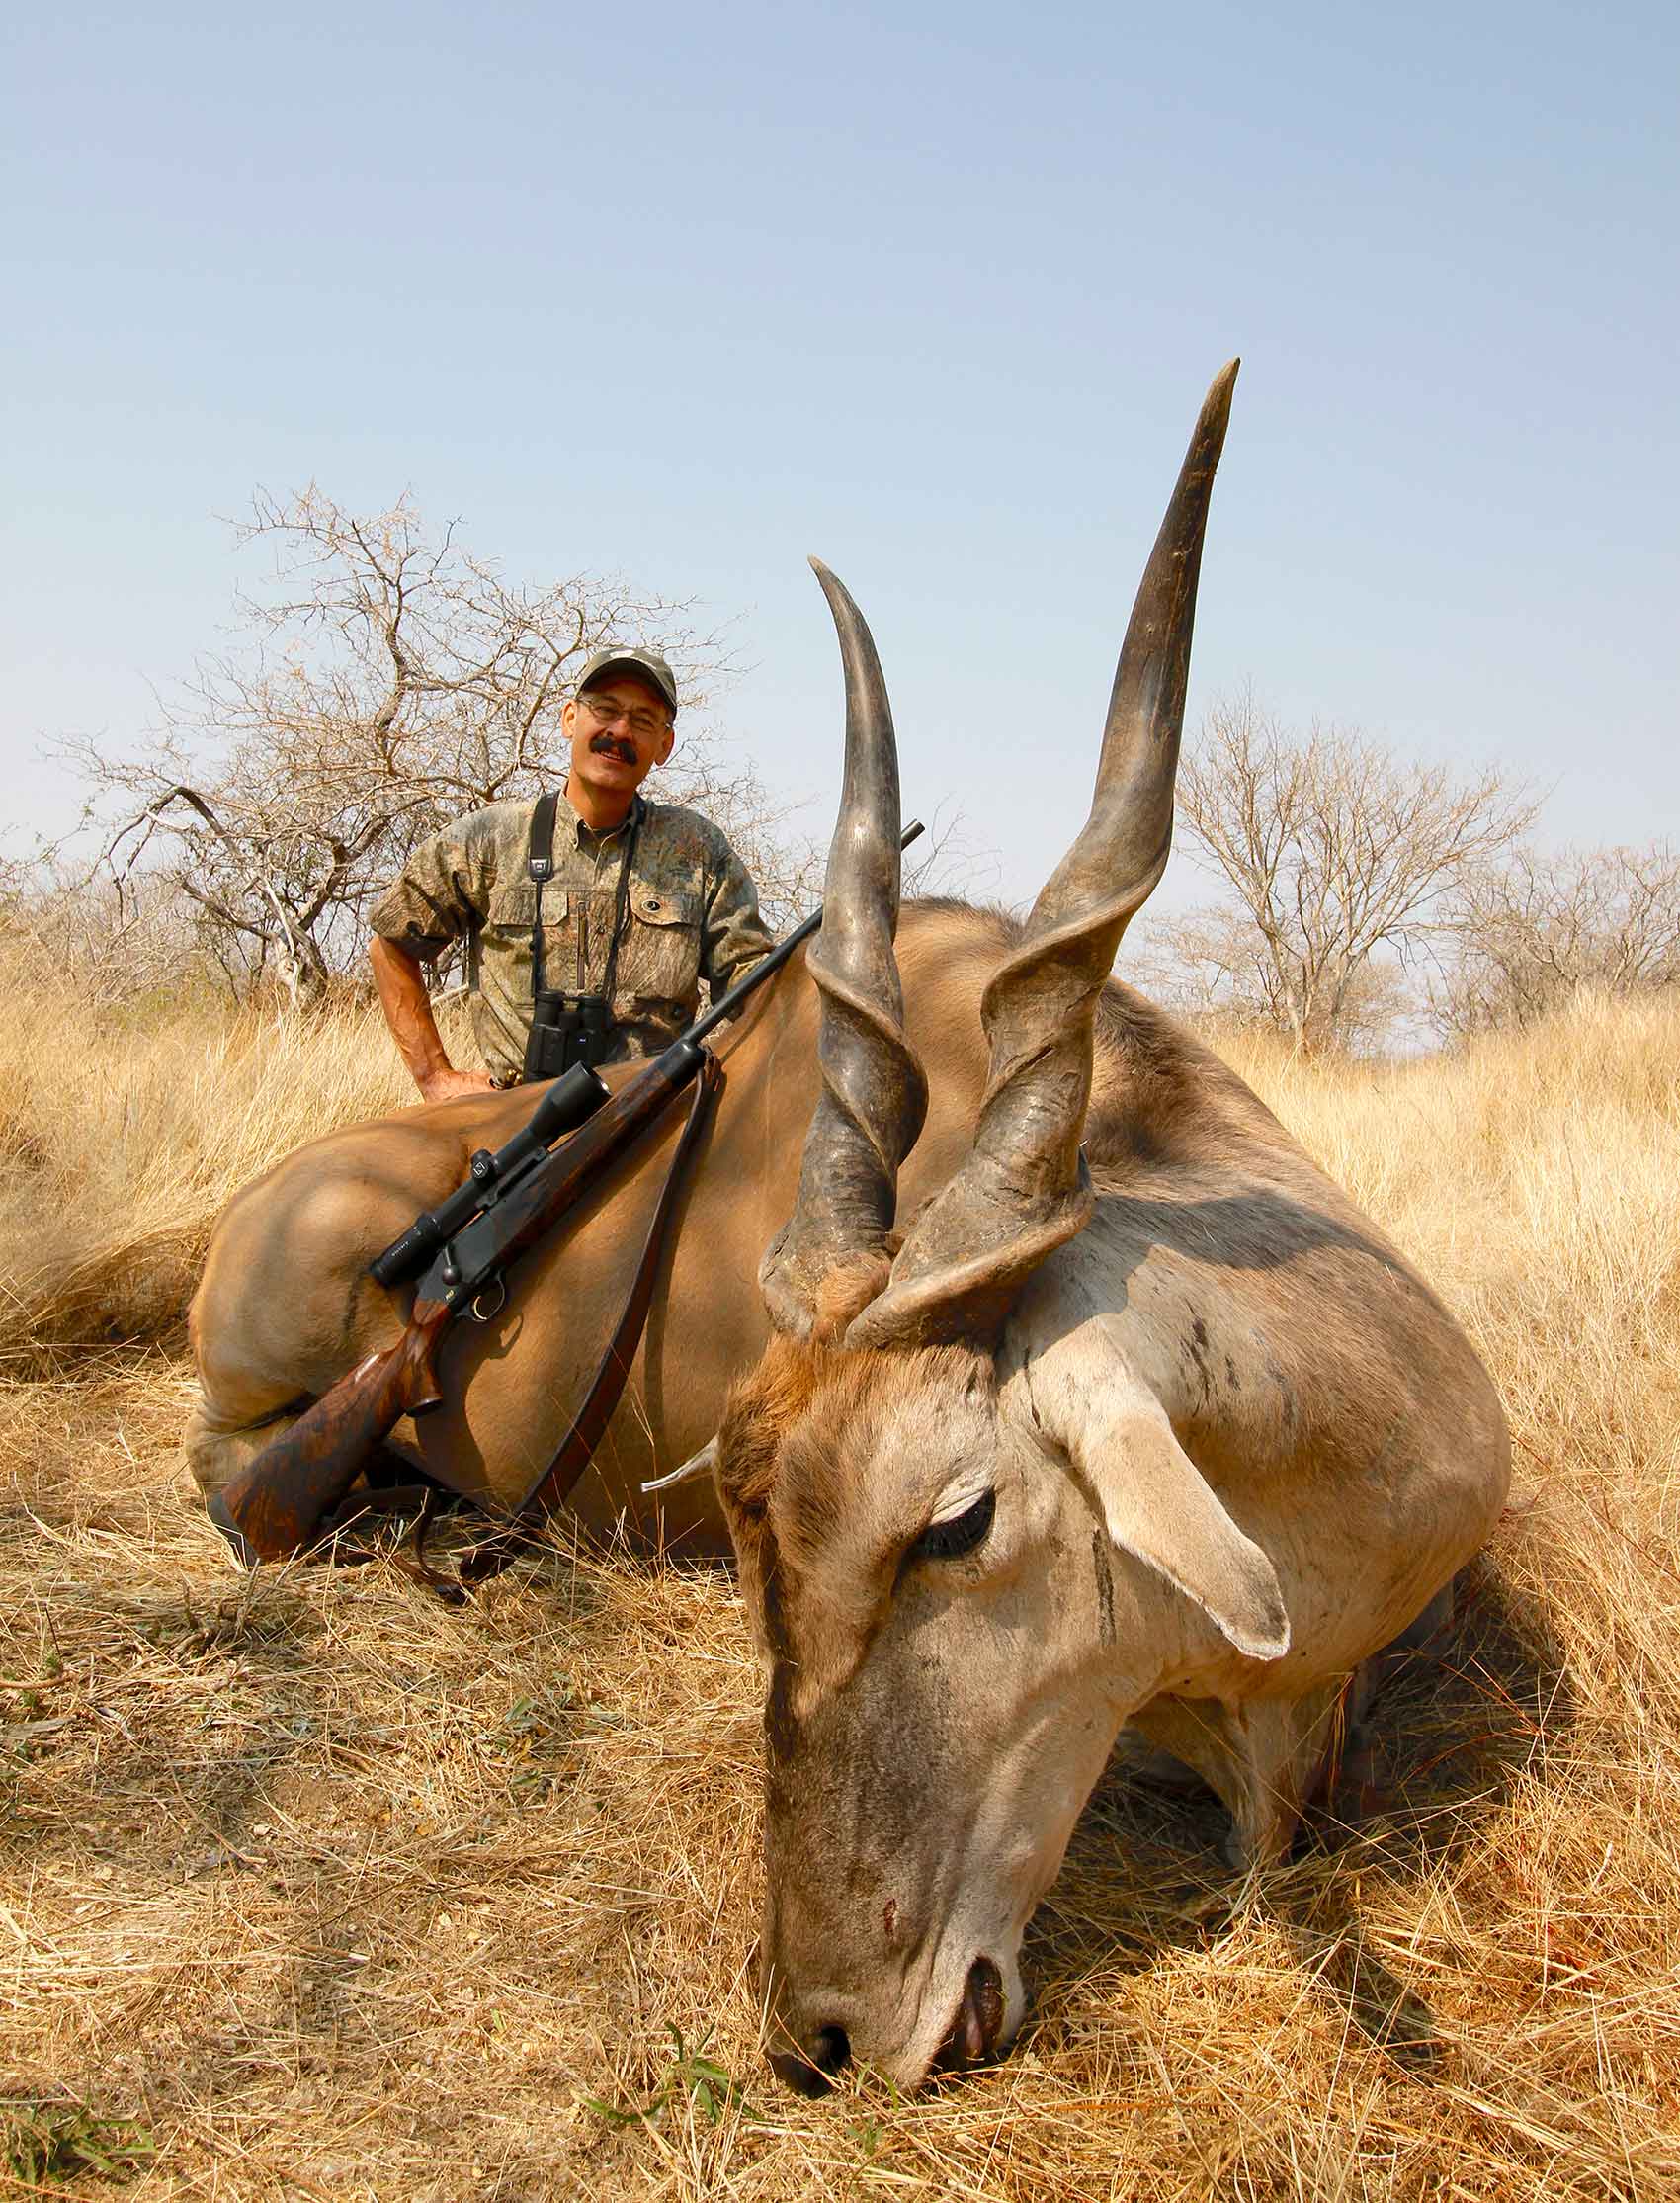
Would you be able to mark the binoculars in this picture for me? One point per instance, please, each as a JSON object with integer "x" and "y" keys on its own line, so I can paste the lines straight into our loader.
{"x": 566, "y": 1030}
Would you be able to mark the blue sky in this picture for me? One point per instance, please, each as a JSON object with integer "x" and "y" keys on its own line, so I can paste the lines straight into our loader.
{"x": 933, "y": 291}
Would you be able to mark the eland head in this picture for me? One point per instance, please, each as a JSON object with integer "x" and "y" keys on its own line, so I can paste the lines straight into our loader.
{"x": 964, "y": 1565}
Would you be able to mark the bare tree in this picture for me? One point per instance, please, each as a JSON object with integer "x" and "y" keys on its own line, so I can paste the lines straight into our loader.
{"x": 1336, "y": 854}
{"x": 1212, "y": 963}
{"x": 389, "y": 682}
{"x": 1537, "y": 930}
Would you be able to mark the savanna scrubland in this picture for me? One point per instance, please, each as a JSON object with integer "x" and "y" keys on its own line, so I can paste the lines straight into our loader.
{"x": 311, "y": 1886}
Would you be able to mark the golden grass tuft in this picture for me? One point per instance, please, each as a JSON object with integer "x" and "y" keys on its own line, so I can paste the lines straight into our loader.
{"x": 311, "y": 1887}
{"x": 121, "y": 1137}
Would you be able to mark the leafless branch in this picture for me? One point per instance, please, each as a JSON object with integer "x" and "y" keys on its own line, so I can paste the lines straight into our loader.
{"x": 1539, "y": 929}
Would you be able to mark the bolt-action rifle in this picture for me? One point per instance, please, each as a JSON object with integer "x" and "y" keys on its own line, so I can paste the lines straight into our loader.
{"x": 512, "y": 1198}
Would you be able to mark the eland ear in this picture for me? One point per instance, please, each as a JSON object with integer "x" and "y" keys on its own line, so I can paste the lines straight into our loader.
{"x": 1155, "y": 1500}
{"x": 1157, "y": 1504}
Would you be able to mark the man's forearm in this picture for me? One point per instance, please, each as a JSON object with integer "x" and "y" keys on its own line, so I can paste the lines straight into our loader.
{"x": 408, "y": 1012}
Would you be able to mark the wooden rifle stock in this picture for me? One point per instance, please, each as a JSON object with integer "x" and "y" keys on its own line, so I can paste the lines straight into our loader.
{"x": 278, "y": 1502}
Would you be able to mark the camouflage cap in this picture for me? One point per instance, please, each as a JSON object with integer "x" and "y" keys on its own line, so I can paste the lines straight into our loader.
{"x": 644, "y": 662}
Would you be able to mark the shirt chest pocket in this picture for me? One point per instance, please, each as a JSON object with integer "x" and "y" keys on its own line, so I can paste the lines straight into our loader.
{"x": 660, "y": 955}
{"x": 505, "y": 939}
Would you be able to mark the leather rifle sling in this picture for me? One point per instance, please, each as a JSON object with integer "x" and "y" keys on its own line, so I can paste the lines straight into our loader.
{"x": 606, "y": 1388}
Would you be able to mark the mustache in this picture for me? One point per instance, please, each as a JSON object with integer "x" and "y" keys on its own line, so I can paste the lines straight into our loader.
{"x": 614, "y": 745}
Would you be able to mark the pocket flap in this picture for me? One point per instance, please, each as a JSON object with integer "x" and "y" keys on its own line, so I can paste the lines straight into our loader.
{"x": 663, "y": 905}
{"x": 517, "y": 906}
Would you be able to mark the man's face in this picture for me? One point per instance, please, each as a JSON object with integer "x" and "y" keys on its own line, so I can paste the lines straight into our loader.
{"x": 619, "y": 730}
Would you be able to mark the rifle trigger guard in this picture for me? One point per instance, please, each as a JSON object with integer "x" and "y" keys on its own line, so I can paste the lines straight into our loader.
{"x": 476, "y": 1308}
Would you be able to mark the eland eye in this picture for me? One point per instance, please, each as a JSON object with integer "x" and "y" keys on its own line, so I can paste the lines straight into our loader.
{"x": 945, "y": 1541}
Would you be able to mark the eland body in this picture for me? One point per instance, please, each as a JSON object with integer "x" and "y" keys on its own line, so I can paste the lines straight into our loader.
{"x": 1137, "y": 1421}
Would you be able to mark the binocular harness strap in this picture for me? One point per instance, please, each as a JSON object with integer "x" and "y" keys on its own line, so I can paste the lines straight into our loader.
{"x": 540, "y": 863}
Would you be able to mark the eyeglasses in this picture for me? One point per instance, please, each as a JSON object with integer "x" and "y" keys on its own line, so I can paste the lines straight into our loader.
{"x": 646, "y": 726}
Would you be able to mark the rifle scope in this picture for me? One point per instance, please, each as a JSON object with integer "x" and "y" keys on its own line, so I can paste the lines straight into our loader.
{"x": 568, "y": 1103}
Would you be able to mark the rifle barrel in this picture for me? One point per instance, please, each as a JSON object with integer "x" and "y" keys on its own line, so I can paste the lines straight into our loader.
{"x": 726, "y": 1005}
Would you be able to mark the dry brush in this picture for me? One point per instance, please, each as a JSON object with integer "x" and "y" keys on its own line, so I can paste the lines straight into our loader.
{"x": 310, "y": 1886}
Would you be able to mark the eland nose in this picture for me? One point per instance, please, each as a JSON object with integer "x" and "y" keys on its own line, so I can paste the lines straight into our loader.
{"x": 977, "y": 2027}
{"x": 828, "y": 2051}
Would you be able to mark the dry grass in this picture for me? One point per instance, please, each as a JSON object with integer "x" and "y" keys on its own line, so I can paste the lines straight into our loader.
{"x": 311, "y": 1887}
{"x": 120, "y": 1138}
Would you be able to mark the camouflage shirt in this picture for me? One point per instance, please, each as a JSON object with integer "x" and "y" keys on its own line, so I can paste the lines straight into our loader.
{"x": 692, "y": 914}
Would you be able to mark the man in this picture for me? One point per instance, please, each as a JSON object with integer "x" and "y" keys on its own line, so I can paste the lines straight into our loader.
{"x": 639, "y": 901}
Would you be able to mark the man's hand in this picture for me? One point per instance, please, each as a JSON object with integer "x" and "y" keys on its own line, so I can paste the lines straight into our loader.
{"x": 449, "y": 1085}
